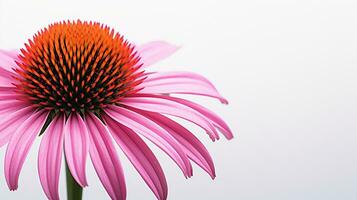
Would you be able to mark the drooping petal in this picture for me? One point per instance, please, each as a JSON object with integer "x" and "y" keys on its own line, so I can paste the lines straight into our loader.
{"x": 192, "y": 146}
{"x": 154, "y": 133}
{"x": 211, "y": 116}
{"x": 140, "y": 156}
{"x": 76, "y": 145}
{"x": 153, "y": 52}
{"x": 154, "y": 103}
{"x": 50, "y": 157}
{"x": 105, "y": 159}
{"x": 11, "y": 121}
{"x": 180, "y": 83}
{"x": 208, "y": 114}
{"x": 19, "y": 147}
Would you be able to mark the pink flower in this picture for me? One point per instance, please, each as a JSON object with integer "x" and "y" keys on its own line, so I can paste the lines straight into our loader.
{"x": 88, "y": 88}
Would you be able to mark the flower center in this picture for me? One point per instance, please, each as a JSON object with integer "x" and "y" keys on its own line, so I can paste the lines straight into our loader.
{"x": 77, "y": 66}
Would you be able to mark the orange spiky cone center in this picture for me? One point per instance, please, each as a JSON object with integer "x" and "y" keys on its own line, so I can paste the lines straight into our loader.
{"x": 77, "y": 66}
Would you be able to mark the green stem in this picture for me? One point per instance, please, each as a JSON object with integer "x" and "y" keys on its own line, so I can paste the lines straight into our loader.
{"x": 74, "y": 191}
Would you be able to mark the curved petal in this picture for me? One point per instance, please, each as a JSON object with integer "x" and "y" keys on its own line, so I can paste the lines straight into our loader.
{"x": 76, "y": 145}
{"x": 154, "y": 133}
{"x": 19, "y": 147}
{"x": 192, "y": 146}
{"x": 180, "y": 83}
{"x": 211, "y": 116}
{"x": 105, "y": 159}
{"x": 11, "y": 122}
{"x": 50, "y": 157}
{"x": 140, "y": 156}
{"x": 154, "y": 103}
{"x": 155, "y": 51}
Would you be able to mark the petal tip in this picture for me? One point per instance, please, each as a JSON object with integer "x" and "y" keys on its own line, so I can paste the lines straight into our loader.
{"x": 13, "y": 187}
{"x": 224, "y": 101}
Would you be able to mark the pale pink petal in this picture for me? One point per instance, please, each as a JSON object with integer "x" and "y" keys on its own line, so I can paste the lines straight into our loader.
{"x": 154, "y": 103}
{"x": 7, "y": 62}
{"x": 76, "y": 145}
{"x": 7, "y": 66}
{"x": 140, "y": 156}
{"x": 6, "y": 78}
{"x": 192, "y": 146}
{"x": 11, "y": 121}
{"x": 153, "y": 52}
{"x": 180, "y": 83}
{"x": 19, "y": 147}
{"x": 181, "y": 88}
{"x": 11, "y": 53}
{"x": 105, "y": 159}
{"x": 172, "y": 77}
{"x": 154, "y": 133}
{"x": 50, "y": 157}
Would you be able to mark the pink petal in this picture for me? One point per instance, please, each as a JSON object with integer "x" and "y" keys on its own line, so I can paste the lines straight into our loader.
{"x": 7, "y": 64}
{"x": 140, "y": 156}
{"x": 76, "y": 145}
{"x": 181, "y": 88}
{"x": 6, "y": 77}
{"x": 180, "y": 83}
{"x": 9, "y": 93}
{"x": 153, "y": 52}
{"x": 154, "y": 133}
{"x": 208, "y": 114}
{"x": 211, "y": 116}
{"x": 9, "y": 106}
{"x": 10, "y": 89}
{"x": 19, "y": 147}
{"x": 154, "y": 103}
{"x": 178, "y": 76}
{"x": 11, "y": 122}
{"x": 192, "y": 146}
{"x": 11, "y": 53}
{"x": 105, "y": 159}
{"x": 50, "y": 157}
{"x": 4, "y": 80}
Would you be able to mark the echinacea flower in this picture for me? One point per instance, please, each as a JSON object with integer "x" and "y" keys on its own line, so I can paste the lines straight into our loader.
{"x": 82, "y": 87}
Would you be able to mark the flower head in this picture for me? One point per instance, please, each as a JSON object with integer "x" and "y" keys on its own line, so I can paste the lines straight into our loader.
{"x": 86, "y": 88}
{"x": 76, "y": 67}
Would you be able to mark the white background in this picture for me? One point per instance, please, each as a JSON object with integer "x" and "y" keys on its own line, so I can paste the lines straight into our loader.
{"x": 288, "y": 68}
